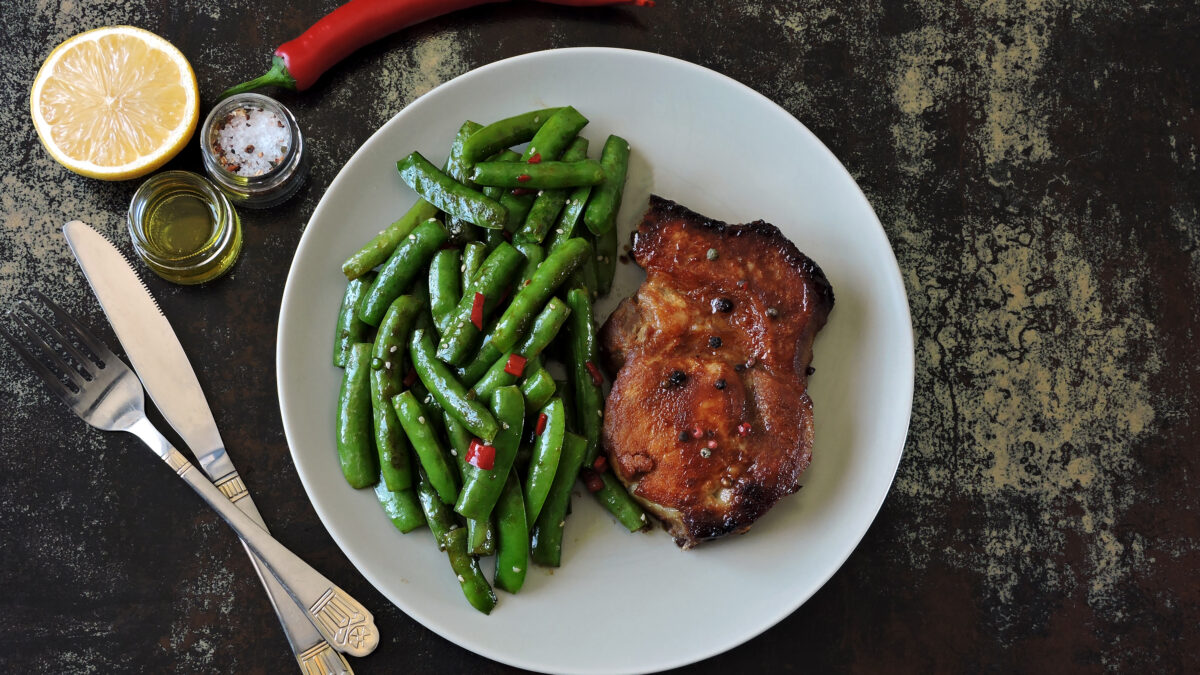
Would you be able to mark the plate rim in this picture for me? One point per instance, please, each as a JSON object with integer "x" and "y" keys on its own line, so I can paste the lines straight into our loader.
{"x": 893, "y": 270}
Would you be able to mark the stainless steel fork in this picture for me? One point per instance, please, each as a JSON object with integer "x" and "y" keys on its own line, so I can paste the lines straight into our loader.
{"x": 98, "y": 387}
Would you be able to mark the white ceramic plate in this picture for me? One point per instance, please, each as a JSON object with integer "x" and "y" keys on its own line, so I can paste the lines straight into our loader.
{"x": 627, "y": 602}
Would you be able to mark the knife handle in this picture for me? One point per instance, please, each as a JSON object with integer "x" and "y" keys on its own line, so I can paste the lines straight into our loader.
{"x": 344, "y": 623}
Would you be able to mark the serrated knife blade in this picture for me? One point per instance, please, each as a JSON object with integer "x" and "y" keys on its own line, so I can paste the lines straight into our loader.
{"x": 151, "y": 345}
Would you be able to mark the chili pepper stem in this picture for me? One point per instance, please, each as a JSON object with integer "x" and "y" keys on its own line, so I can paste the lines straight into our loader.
{"x": 277, "y": 76}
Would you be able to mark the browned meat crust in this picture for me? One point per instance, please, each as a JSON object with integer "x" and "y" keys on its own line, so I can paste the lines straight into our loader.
{"x": 719, "y": 347}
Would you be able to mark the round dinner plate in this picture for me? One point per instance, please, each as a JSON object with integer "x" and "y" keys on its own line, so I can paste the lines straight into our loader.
{"x": 626, "y": 602}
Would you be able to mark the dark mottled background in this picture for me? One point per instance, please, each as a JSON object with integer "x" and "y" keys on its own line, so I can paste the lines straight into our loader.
{"x": 1035, "y": 166}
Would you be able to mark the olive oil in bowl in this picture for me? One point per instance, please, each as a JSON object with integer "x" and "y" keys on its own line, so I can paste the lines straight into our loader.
{"x": 184, "y": 229}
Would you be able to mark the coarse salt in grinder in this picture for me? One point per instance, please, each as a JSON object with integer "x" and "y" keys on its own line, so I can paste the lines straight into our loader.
{"x": 253, "y": 150}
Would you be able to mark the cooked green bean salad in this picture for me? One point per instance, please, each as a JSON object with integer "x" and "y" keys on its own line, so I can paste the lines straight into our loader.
{"x": 449, "y": 321}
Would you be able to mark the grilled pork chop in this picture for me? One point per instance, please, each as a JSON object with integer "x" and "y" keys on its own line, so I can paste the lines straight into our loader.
{"x": 709, "y": 422}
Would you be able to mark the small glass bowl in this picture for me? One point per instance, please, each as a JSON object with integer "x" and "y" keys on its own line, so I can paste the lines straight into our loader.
{"x": 214, "y": 257}
{"x": 270, "y": 188}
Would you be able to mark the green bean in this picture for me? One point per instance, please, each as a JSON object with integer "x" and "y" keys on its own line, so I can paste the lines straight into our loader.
{"x": 406, "y": 264}
{"x": 543, "y": 463}
{"x": 549, "y": 276}
{"x": 430, "y": 451}
{"x": 387, "y": 366}
{"x": 566, "y": 226}
{"x": 462, "y": 335}
{"x": 356, "y": 452}
{"x": 470, "y": 577}
{"x": 350, "y": 329}
{"x": 554, "y": 138}
{"x": 450, "y": 394}
{"x": 541, "y": 333}
{"x": 617, "y": 501}
{"x": 380, "y": 248}
{"x": 538, "y": 388}
{"x": 445, "y": 289}
{"x": 482, "y": 489}
{"x": 503, "y": 134}
{"x": 402, "y": 507}
{"x": 481, "y": 535}
{"x": 548, "y": 529}
{"x": 538, "y": 176}
{"x": 534, "y": 255}
{"x": 606, "y": 260}
{"x": 549, "y": 203}
{"x": 567, "y": 394}
{"x": 473, "y": 254}
{"x": 517, "y": 205}
{"x": 512, "y": 537}
{"x": 600, "y": 216}
{"x": 437, "y": 514}
{"x": 455, "y": 168}
{"x": 585, "y": 276}
{"x": 545, "y": 326}
{"x": 449, "y": 195}
{"x": 589, "y": 398}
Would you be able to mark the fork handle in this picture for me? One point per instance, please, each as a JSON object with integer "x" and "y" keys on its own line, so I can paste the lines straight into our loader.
{"x": 345, "y": 623}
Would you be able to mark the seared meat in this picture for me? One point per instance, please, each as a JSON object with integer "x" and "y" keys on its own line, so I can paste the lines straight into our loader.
{"x": 709, "y": 422}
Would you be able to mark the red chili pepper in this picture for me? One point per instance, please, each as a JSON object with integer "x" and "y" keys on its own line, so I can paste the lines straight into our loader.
{"x": 541, "y": 424}
{"x": 410, "y": 377}
{"x": 744, "y": 429}
{"x": 536, "y": 158}
{"x": 697, "y": 432}
{"x": 597, "y": 378}
{"x": 524, "y": 178}
{"x": 601, "y": 464}
{"x": 515, "y": 365}
{"x": 521, "y": 192}
{"x": 477, "y": 310}
{"x": 481, "y": 455}
{"x": 299, "y": 62}
{"x": 592, "y": 480}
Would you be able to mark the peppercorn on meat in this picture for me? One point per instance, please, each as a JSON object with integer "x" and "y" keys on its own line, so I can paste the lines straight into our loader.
{"x": 709, "y": 422}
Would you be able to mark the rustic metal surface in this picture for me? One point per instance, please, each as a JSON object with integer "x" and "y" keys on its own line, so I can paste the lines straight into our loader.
{"x": 1035, "y": 165}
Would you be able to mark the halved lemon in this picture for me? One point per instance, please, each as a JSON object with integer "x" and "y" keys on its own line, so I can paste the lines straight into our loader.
{"x": 115, "y": 103}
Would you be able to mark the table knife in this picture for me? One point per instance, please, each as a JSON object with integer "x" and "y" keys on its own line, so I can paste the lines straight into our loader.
{"x": 333, "y": 622}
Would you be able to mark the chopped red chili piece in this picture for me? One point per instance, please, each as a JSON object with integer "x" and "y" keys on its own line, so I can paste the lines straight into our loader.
{"x": 477, "y": 310}
{"x": 536, "y": 158}
{"x": 744, "y": 429}
{"x": 410, "y": 378}
{"x": 697, "y": 432}
{"x": 601, "y": 464}
{"x": 597, "y": 379}
{"x": 524, "y": 178}
{"x": 712, "y": 445}
{"x": 480, "y": 455}
{"x": 519, "y": 192}
{"x": 592, "y": 480}
{"x": 515, "y": 365}
{"x": 541, "y": 424}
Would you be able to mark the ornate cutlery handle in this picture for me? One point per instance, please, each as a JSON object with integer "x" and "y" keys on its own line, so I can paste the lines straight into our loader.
{"x": 346, "y": 624}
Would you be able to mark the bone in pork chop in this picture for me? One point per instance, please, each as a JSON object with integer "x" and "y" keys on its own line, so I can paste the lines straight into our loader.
{"x": 709, "y": 422}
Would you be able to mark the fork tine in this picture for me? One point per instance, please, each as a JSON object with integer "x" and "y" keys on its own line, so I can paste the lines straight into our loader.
{"x": 52, "y": 382}
{"x": 93, "y": 343}
{"x": 48, "y": 351}
{"x": 83, "y": 361}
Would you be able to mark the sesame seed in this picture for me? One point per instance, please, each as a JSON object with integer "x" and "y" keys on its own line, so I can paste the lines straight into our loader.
{"x": 516, "y": 569}
{"x": 705, "y": 453}
{"x": 712, "y": 254}
{"x": 453, "y": 452}
{"x": 421, "y": 419}
{"x": 461, "y": 579}
{"x": 558, "y": 231}
{"x": 772, "y": 312}
{"x": 504, "y": 425}
{"x": 561, "y": 523}
{"x": 387, "y": 364}
{"x": 392, "y": 349}
{"x": 462, "y": 268}
{"x": 413, "y": 237}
